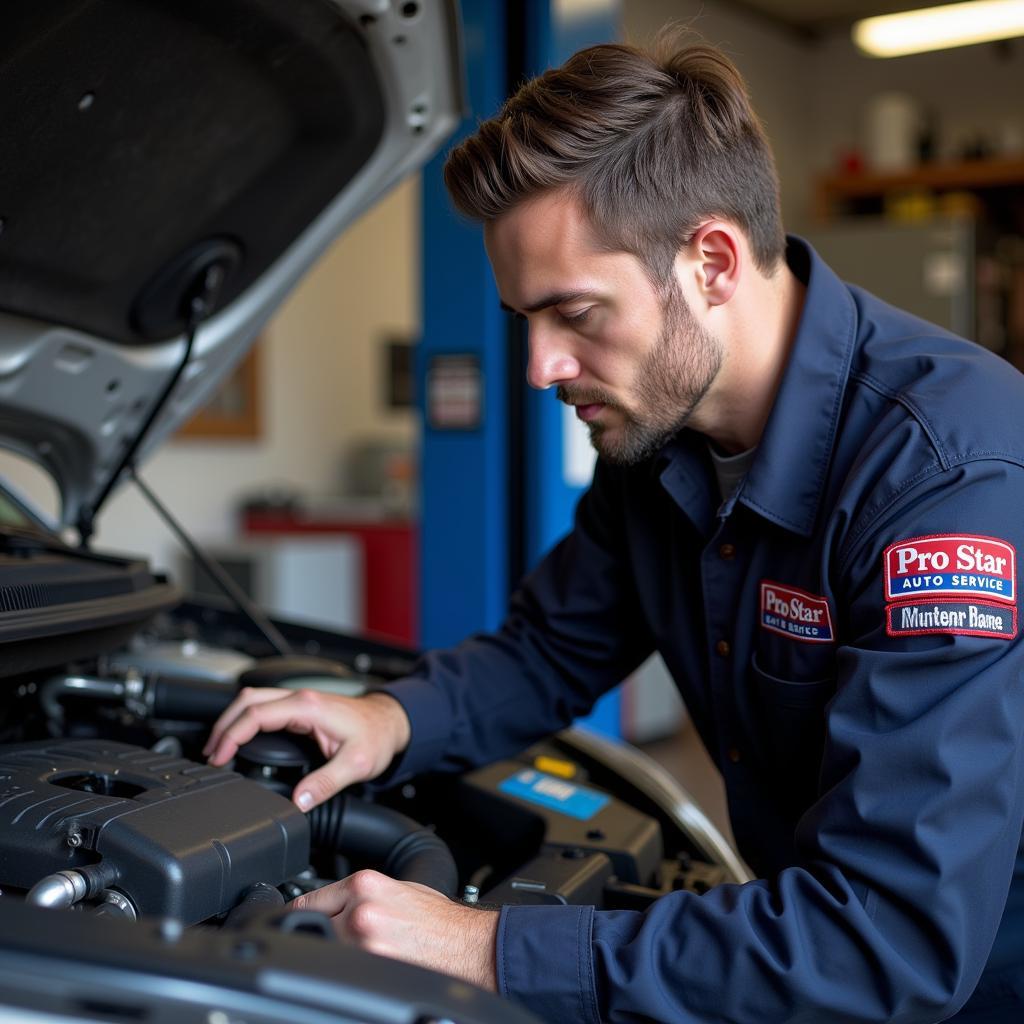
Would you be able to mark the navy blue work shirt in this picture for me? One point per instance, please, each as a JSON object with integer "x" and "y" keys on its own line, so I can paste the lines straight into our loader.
{"x": 844, "y": 633}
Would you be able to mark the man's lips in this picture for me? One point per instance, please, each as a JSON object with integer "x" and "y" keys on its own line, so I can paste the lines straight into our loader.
{"x": 588, "y": 412}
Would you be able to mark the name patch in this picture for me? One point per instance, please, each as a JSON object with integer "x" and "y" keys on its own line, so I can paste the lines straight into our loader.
{"x": 795, "y": 613}
{"x": 962, "y": 566}
{"x": 969, "y": 618}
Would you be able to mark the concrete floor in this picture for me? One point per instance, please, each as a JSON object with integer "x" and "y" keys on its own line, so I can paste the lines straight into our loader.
{"x": 684, "y": 757}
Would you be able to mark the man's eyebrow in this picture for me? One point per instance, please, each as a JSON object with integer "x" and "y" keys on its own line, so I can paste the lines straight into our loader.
{"x": 554, "y": 299}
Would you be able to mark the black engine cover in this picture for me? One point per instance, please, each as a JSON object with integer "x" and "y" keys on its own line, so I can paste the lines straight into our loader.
{"x": 187, "y": 839}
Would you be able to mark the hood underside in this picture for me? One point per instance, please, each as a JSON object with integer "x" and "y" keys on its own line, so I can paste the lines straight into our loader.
{"x": 146, "y": 138}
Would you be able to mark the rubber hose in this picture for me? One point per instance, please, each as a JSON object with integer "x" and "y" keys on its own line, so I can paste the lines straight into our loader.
{"x": 255, "y": 902}
{"x": 191, "y": 700}
{"x": 401, "y": 846}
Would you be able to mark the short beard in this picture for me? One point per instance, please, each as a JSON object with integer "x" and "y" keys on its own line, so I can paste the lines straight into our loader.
{"x": 670, "y": 382}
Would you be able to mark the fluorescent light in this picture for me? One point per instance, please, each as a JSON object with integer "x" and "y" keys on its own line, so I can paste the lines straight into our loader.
{"x": 939, "y": 28}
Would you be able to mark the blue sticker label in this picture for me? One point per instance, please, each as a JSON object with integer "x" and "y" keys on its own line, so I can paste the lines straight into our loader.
{"x": 556, "y": 794}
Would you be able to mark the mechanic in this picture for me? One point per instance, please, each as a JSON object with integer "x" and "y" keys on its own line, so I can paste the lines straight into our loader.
{"x": 810, "y": 503}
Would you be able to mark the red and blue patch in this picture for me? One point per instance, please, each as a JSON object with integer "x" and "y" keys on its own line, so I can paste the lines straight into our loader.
{"x": 952, "y": 565}
{"x": 948, "y": 615}
{"x": 795, "y": 613}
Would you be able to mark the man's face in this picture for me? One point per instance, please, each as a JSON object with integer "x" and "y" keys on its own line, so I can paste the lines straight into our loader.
{"x": 630, "y": 357}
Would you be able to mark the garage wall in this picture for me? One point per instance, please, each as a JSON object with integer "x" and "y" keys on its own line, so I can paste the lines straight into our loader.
{"x": 973, "y": 89}
{"x": 812, "y": 96}
{"x": 776, "y": 68}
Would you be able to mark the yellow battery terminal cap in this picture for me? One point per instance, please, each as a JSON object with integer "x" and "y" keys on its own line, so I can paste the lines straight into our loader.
{"x": 555, "y": 766}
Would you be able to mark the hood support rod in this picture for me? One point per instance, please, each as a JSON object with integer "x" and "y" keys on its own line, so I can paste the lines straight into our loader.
{"x": 241, "y": 600}
{"x": 198, "y": 304}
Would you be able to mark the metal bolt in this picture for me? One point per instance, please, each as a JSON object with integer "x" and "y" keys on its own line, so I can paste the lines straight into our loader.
{"x": 470, "y": 894}
{"x": 74, "y": 838}
{"x": 120, "y": 902}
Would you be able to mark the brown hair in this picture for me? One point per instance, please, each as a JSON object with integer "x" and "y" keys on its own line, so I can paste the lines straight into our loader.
{"x": 653, "y": 143}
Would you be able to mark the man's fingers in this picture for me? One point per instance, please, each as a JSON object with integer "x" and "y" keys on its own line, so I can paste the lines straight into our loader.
{"x": 246, "y": 698}
{"x": 332, "y": 899}
{"x": 291, "y": 713}
{"x": 329, "y": 900}
{"x": 346, "y": 767}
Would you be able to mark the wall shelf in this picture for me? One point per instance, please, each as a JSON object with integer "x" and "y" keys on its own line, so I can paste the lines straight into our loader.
{"x": 969, "y": 175}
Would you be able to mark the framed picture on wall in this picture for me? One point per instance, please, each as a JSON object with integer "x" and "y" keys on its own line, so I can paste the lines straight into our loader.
{"x": 399, "y": 377}
{"x": 235, "y": 409}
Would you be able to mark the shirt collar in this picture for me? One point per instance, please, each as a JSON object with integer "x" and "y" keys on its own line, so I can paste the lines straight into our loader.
{"x": 786, "y": 479}
{"x": 785, "y": 482}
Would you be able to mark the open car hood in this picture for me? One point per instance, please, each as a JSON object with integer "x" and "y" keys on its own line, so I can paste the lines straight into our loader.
{"x": 147, "y": 138}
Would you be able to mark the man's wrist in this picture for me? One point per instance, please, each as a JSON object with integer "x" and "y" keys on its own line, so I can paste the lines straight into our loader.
{"x": 480, "y": 939}
{"x": 397, "y": 720}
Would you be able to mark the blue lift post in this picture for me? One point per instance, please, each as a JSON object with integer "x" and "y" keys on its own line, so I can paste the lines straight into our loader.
{"x": 468, "y": 521}
{"x": 555, "y": 477}
{"x": 464, "y": 578}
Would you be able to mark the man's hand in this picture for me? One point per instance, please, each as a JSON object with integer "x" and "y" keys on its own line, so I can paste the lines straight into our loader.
{"x": 358, "y": 735}
{"x": 407, "y": 921}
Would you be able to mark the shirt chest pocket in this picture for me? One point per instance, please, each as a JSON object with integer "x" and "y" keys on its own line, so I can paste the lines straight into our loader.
{"x": 789, "y": 722}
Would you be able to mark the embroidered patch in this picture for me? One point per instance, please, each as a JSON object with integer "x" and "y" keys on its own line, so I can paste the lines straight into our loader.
{"x": 966, "y": 618}
{"x": 960, "y": 565}
{"x": 795, "y": 613}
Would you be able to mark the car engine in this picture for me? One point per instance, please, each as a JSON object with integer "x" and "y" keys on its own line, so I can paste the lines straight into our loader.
{"x": 108, "y": 808}
{"x": 140, "y": 831}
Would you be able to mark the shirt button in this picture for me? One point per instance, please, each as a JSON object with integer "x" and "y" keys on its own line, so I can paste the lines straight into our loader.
{"x": 727, "y": 551}
{"x": 722, "y": 648}
{"x": 734, "y": 755}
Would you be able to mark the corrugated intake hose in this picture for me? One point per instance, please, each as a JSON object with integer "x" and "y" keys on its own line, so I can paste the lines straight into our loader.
{"x": 400, "y": 846}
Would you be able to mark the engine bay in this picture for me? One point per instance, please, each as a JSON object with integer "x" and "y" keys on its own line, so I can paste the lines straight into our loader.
{"x": 108, "y": 807}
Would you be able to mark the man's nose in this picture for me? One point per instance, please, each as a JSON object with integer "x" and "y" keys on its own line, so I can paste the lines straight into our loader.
{"x": 551, "y": 361}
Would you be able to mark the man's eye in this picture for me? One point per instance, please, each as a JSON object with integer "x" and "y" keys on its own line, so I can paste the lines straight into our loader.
{"x": 577, "y": 319}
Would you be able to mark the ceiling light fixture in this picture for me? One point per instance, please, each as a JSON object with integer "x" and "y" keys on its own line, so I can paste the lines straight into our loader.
{"x": 939, "y": 28}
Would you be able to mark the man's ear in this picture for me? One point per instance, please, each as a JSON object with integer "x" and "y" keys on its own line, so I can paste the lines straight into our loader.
{"x": 716, "y": 254}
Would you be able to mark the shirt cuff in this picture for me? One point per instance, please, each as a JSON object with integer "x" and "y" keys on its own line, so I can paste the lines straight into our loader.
{"x": 545, "y": 962}
{"x": 430, "y": 723}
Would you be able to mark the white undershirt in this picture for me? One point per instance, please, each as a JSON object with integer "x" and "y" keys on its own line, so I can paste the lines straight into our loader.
{"x": 730, "y": 469}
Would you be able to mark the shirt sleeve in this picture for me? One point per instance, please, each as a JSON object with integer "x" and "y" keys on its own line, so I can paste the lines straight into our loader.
{"x": 574, "y": 630}
{"x": 906, "y": 855}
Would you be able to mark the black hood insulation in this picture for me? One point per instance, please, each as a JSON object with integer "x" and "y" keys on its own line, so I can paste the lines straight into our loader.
{"x": 145, "y": 127}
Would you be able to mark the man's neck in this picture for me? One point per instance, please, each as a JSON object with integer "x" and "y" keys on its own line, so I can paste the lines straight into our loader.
{"x": 763, "y": 329}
